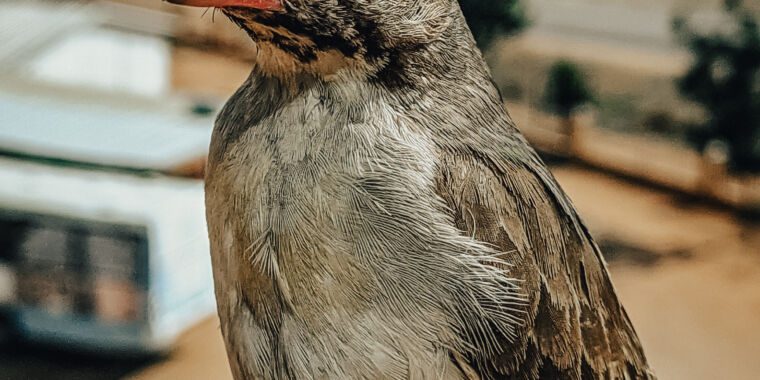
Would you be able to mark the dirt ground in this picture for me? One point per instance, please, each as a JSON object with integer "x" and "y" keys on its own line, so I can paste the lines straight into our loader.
{"x": 688, "y": 274}
{"x": 695, "y": 297}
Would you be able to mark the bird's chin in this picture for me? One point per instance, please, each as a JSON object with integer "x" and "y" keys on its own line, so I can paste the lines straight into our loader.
{"x": 265, "y": 5}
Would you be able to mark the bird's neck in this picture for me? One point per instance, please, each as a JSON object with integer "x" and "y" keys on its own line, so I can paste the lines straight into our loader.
{"x": 453, "y": 87}
{"x": 445, "y": 82}
{"x": 446, "y": 61}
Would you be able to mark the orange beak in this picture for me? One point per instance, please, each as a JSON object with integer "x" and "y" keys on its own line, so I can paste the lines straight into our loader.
{"x": 267, "y": 5}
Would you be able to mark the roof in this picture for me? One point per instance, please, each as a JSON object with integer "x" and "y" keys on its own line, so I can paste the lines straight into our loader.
{"x": 100, "y": 133}
{"x": 74, "y": 90}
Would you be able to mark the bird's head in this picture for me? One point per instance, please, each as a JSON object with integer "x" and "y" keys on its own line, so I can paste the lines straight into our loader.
{"x": 332, "y": 37}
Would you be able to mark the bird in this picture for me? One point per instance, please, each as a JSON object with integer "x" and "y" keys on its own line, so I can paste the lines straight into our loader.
{"x": 374, "y": 212}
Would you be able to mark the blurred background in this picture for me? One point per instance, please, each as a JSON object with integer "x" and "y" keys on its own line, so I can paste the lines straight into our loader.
{"x": 648, "y": 112}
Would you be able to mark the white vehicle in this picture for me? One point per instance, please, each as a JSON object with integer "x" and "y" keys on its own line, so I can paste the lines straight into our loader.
{"x": 100, "y": 249}
{"x": 100, "y": 260}
{"x": 102, "y": 245}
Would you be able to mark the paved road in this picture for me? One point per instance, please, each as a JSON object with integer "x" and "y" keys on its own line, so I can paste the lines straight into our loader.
{"x": 614, "y": 23}
{"x": 636, "y": 35}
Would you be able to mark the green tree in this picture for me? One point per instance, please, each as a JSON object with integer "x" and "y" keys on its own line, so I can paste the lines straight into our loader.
{"x": 566, "y": 89}
{"x": 725, "y": 80}
{"x": 489, "y": 19}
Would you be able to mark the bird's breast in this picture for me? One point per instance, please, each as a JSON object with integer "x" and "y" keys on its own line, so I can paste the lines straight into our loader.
{"x": 302, "y": 214}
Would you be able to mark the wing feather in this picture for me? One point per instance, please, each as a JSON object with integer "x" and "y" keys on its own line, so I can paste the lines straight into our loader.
{"x": 576, "y": 328}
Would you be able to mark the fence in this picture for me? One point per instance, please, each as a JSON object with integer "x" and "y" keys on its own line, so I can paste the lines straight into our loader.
{"x": 645, "y": 158}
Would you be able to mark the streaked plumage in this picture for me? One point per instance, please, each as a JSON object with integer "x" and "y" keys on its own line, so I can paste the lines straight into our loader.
{"x": 374, "y": 213}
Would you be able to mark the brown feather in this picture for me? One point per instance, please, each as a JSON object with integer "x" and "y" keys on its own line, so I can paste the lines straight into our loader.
{"x": 576, "y": 326}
